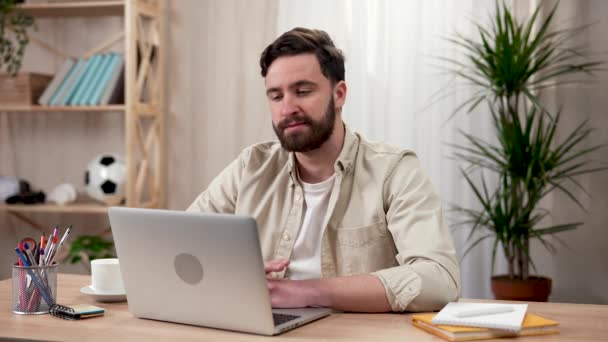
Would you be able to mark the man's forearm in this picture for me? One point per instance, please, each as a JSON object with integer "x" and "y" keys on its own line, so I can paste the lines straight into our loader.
{"x": 361, "y": 293}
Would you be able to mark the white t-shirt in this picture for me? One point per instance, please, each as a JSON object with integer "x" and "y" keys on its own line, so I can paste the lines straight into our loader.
{"x": 305, "y": 261}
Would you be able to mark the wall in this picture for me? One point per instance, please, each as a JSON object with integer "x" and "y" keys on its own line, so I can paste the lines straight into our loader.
{"x": 217, "y": 97}
{"x": 580, "y": 267}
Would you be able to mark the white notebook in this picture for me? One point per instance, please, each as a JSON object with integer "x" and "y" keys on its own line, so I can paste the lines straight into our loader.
{"x": 511, "y": 321}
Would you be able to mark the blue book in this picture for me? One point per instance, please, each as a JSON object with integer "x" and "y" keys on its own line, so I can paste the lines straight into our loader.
{"x": 60, "y": 93}
{"x": 114, "y": 90}
{"x": 76, "y": 99}
{"x": 77, "y": 80}
{"x": 105, "y": 78}
{"x": 58, "y": 79}
{"x": 86, "y": 98}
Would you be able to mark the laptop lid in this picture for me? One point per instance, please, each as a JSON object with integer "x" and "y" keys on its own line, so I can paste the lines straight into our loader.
{"x": 193, "y": 268}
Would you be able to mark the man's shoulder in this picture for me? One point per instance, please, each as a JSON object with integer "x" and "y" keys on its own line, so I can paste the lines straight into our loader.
{"x": 378, "y": 148}
{"x": 262, "y": 152}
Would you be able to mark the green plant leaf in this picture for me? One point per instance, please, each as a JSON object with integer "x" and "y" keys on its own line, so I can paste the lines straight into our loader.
{"x": 506, "y": 63}
{"x": 557, "y": 228}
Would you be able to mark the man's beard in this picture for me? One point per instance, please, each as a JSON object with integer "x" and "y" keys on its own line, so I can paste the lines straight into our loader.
{"x": 307, "y": 140}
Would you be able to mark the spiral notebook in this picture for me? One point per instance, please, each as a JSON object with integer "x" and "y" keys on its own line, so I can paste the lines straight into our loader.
{"x": 75, "y": 312}
{"x": 510, "y": 321}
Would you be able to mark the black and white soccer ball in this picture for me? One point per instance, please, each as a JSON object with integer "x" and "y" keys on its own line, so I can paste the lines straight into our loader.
{"x": 105, "y": 179}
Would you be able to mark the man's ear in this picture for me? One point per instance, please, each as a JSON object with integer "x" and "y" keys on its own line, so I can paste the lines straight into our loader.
{"x": 339, "y": 94}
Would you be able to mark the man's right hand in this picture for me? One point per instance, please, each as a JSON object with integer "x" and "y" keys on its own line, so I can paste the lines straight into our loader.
{"x": 275, "y": 266}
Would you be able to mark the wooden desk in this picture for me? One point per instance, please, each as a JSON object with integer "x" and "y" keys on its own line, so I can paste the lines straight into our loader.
{"x": 578, "y": 323}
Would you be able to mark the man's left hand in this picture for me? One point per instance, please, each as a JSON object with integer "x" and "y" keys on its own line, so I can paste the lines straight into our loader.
{"x": 359, "y": 293}
{"x": 285, "y": 293}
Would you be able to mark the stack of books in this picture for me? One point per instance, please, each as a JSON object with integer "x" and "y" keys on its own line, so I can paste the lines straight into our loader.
{"x": 94, "y": 81}
{"x": 478, "y": 321}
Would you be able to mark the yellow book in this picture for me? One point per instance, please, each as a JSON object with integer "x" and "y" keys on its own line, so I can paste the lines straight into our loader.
{"x": 532, "y": 325}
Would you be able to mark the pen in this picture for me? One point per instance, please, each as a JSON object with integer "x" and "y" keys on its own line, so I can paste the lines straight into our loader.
{"x": 49, "y": 250}
{"x": 36, "y": 280}
{"x": 65, "y": 235}
{"x": 22, "y": 281}
{"x": 491, "y": 310}
{"x": 29, "y": 254}
{"x": 61, "y": 242}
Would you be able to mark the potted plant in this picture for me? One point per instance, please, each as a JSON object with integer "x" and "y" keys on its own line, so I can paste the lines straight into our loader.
{"x": 508, "y": 64}
{"x": 14, "y": 24}
{"x": 86, "y": 248}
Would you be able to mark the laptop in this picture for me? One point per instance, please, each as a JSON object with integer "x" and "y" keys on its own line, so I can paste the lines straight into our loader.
{"x": 199, "y": 269}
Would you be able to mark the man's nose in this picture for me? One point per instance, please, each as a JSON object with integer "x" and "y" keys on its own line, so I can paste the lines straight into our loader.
{"x": 288, "y": 106}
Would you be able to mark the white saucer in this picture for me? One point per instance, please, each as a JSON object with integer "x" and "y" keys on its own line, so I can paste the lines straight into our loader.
{"x": 104, "y": 297}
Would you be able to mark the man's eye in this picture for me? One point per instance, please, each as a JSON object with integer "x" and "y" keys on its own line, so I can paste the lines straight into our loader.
{"x": 303, "y": 92}
{"x": 275, "y": 97}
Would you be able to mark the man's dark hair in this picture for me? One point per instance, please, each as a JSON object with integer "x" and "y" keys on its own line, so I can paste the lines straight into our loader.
{"x": 302, "y": 40}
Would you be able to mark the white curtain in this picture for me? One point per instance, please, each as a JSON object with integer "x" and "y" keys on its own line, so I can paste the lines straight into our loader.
{"x": 393, "y": 72}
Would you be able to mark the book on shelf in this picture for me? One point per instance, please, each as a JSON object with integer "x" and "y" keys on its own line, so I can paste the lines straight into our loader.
{"x": 103, "y": 60}
{"x": 86, "y": 70}
{"x": 45, "y": 98}
{"x": 64, "y": 84}
{"x": 532, "y": 325}
{"x": 86, "y": 82}
{"x": 98, "y": 80}
{"x": 114, "y": 91}
{"x": 71, "y": 90}
{"x": 102, "y": 80}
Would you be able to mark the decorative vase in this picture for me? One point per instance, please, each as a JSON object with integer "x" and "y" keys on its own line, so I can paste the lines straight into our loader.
{"x": 535, "y": 289}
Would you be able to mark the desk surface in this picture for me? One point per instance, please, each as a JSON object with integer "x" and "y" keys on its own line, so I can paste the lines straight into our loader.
{"x": 578, "y": 322}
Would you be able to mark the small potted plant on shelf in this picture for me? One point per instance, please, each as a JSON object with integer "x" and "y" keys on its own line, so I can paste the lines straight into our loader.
{"x": 14, "y": 25}
{"x": 17, "y": 88}
{"x": 508, "y": 64}
{"x": 90, "y": 247}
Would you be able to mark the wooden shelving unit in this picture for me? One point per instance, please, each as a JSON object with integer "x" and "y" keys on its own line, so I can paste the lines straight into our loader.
{"x": 84, "y": 208}
{"x": 76, "y": 109}
{"x": 144, "y": 29}
{"x": 75, "y": 9}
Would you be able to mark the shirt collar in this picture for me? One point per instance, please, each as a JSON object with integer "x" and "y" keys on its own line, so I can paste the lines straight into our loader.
{"x": 344, "y": 161}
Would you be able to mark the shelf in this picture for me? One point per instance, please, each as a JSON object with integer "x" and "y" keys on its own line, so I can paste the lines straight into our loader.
{"x": 36, "y": 108}
{"x": 144, "y": 27}
{"x": 78, "y": 208}
{"x": 75, "y": 9}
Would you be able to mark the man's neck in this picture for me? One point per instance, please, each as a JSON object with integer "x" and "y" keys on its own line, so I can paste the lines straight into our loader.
{"x": 318, "y": 165}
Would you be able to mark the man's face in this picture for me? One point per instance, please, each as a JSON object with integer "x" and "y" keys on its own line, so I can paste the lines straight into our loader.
{"x": 301, "y": 102}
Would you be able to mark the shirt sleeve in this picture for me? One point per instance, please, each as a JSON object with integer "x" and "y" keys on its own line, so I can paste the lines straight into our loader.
{"x": 428, "y": 276}
{"x": 222, "y": 193}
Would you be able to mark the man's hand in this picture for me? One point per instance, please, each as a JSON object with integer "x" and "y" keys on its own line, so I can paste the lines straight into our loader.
{"x": 286, "y": 293}
{"x": 361, "y": 293}
{"x": 275, "y": 266}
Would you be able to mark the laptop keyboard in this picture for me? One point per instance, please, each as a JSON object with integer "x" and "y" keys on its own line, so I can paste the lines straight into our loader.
{"x": 282, "y": 318}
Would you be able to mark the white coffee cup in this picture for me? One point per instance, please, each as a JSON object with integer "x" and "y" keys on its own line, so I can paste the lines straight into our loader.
{"x": 105, "y": 276}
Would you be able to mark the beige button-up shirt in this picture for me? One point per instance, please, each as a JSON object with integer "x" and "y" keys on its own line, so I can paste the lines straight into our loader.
{"x": 383, "y": 218}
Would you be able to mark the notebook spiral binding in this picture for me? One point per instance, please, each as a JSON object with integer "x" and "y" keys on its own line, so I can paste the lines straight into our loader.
{"x": 61, "y": 311}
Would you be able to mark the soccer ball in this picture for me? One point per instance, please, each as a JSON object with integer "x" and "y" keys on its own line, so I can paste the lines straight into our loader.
{"x": 105, "y": 179}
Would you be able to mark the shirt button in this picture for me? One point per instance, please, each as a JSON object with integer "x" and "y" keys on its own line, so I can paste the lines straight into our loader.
{"x": 286, "y": 237}
{"x": 298, "y": 197}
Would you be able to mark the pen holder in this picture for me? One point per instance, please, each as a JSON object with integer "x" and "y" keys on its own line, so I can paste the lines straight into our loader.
{"x": 34, "y": 289}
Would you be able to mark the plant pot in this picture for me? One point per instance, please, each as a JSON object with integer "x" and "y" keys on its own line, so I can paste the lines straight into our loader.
{"x": 22, "y": 89}
{"x": 535, "y": 289}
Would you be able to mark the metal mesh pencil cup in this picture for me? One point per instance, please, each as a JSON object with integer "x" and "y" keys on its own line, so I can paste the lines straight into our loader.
{"x": 34, "y": 289}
